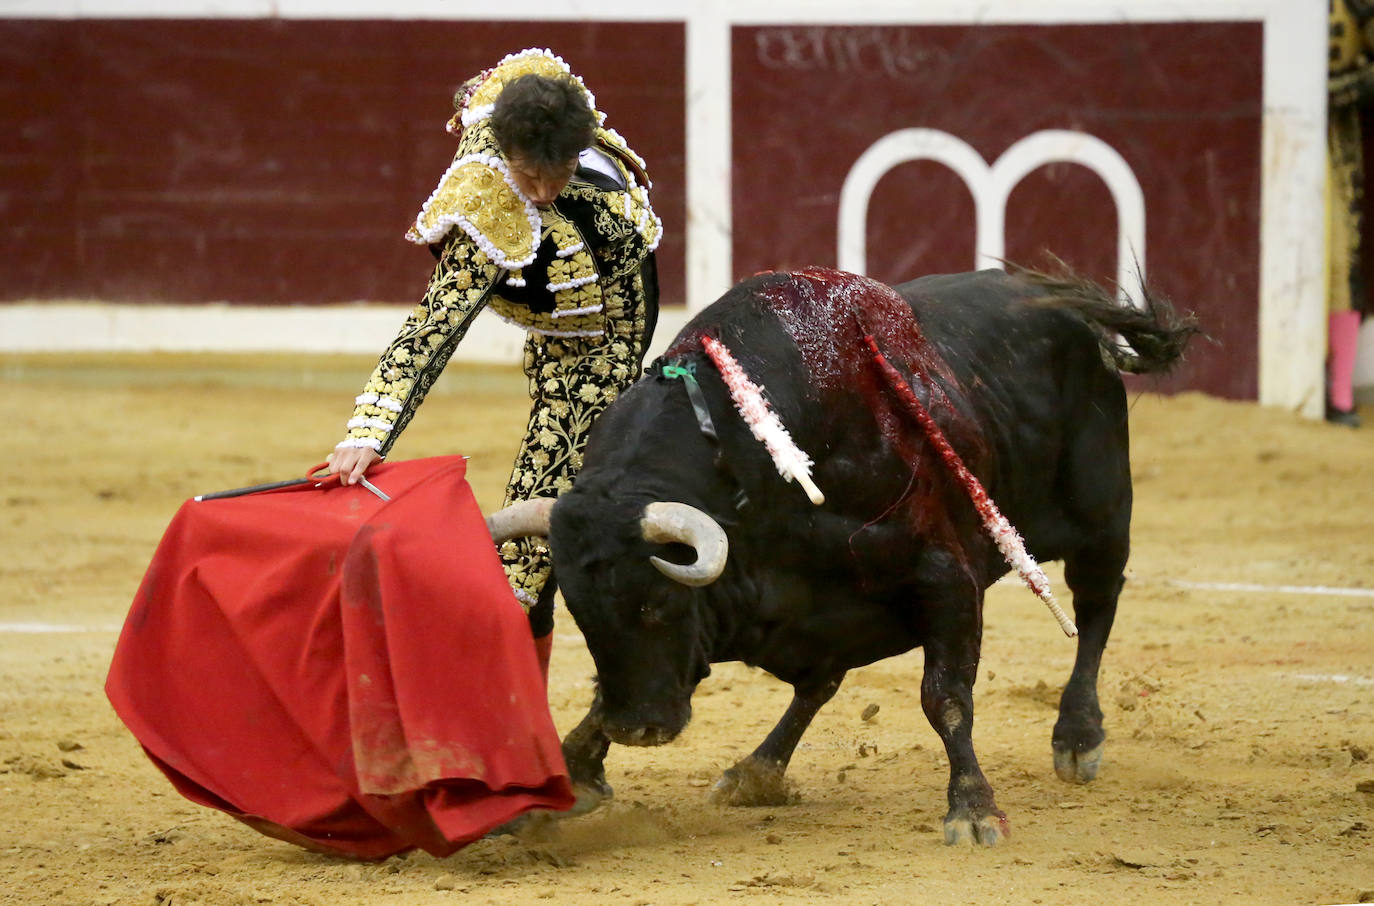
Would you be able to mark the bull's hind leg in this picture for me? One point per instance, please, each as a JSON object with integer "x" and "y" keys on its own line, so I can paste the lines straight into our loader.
{"x": 1095, "y": 577}
{"x": 947, "y": 699}
{"x": 1095, "y": 487}
{"x": 758, "y": 779}
{"x": 952, "y": 628}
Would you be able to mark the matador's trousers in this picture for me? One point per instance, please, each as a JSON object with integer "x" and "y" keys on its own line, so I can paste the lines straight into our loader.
{"x": 572, "y": 380}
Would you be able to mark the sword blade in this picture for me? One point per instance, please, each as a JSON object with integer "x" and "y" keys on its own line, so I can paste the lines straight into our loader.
{"x": 253, "y": 489}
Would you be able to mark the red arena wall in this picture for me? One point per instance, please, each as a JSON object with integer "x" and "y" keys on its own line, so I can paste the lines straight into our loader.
{"x": 1179, "y": 102}
{"x": 271, "y": 160}
{"x": 279, "y": 160}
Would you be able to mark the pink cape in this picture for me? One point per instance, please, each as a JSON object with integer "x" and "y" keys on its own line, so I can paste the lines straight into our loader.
{"x": 349, "y": 675}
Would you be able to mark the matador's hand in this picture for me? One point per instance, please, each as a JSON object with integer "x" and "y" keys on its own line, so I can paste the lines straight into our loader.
{"x": 349, "y": 463}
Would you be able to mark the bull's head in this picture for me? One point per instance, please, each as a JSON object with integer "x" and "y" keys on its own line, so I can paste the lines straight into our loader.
{"x": 644, "y": 632}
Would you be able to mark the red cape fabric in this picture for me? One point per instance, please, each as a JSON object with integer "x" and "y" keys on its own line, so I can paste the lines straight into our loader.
{"x": 350, "y": 675}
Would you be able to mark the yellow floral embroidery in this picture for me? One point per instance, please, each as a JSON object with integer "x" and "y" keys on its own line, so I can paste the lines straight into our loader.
{"x": 409, "y": 366}
{"x": 569, "y": 392}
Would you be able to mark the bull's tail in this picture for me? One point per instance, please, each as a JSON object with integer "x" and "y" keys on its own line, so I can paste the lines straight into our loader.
{"x": 1156, "y": 335}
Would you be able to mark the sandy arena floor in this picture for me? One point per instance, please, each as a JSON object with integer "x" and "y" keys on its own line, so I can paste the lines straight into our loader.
{"x": 1240, "y": 758}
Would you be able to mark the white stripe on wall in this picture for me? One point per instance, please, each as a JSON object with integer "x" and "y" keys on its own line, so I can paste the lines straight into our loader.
{"x": 322, "y": 329}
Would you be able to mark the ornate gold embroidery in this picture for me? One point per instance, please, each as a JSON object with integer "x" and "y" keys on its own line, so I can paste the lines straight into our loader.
{"x": 577, "y": 268}
{"x": 563, "y": 233}
{"x": 413, "y": 360}
{"x": 526, "y": 62}
{"x": 477, "y": 194}
{"x": 572, "y": 381}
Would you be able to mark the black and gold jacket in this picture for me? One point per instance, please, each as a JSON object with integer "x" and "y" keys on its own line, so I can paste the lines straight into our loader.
{"x": 570, "y": 270}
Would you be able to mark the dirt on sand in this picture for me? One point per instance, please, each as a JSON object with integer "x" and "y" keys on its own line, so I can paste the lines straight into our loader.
{"x": 1238, "y": 686}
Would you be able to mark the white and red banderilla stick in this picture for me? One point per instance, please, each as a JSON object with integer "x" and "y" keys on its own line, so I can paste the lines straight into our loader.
{"x": 1008, "y": 540}
{"x": 791, "y": 461}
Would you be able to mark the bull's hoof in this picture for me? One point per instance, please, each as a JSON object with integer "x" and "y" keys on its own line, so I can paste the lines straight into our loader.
{"x": 641, "y": 736}
{"x": 986, "y": 830}
{"x": 752, "y": 783}
{"x": 1078, "y": 767}
{"x": 591, "y": 795}
{"x": 529, "y": 824}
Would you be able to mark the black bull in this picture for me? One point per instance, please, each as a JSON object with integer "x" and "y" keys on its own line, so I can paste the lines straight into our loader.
{"x": 1022, "y": 374}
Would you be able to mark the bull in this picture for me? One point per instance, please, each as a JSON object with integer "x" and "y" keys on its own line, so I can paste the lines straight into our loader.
{"x": 679, "y": 545}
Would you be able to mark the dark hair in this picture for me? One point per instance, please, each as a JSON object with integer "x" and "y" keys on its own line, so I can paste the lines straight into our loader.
{"x": 544, "y": 120}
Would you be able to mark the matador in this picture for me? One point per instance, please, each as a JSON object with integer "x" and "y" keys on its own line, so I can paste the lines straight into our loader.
{"x": 574, "y": 268}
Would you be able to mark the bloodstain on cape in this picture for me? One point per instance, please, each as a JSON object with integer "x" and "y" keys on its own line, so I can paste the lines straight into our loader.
{"x": 349, "y": 675}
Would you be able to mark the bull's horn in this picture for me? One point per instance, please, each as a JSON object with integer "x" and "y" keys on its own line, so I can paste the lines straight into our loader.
{"x": 526, "y": 517}
{"x": 668, "y": 522}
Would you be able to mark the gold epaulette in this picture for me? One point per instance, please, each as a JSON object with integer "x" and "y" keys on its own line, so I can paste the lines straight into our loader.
{"x": 477, "y": 194}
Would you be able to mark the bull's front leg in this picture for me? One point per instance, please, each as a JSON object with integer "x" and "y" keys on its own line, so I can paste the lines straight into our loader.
{"x": 584, "y": 752}
{"x": 758, "y": 778}
{"x": 951, "y": 665}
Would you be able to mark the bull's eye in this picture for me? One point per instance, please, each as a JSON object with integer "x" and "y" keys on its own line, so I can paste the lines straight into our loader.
{"x": 652, "y": 614}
